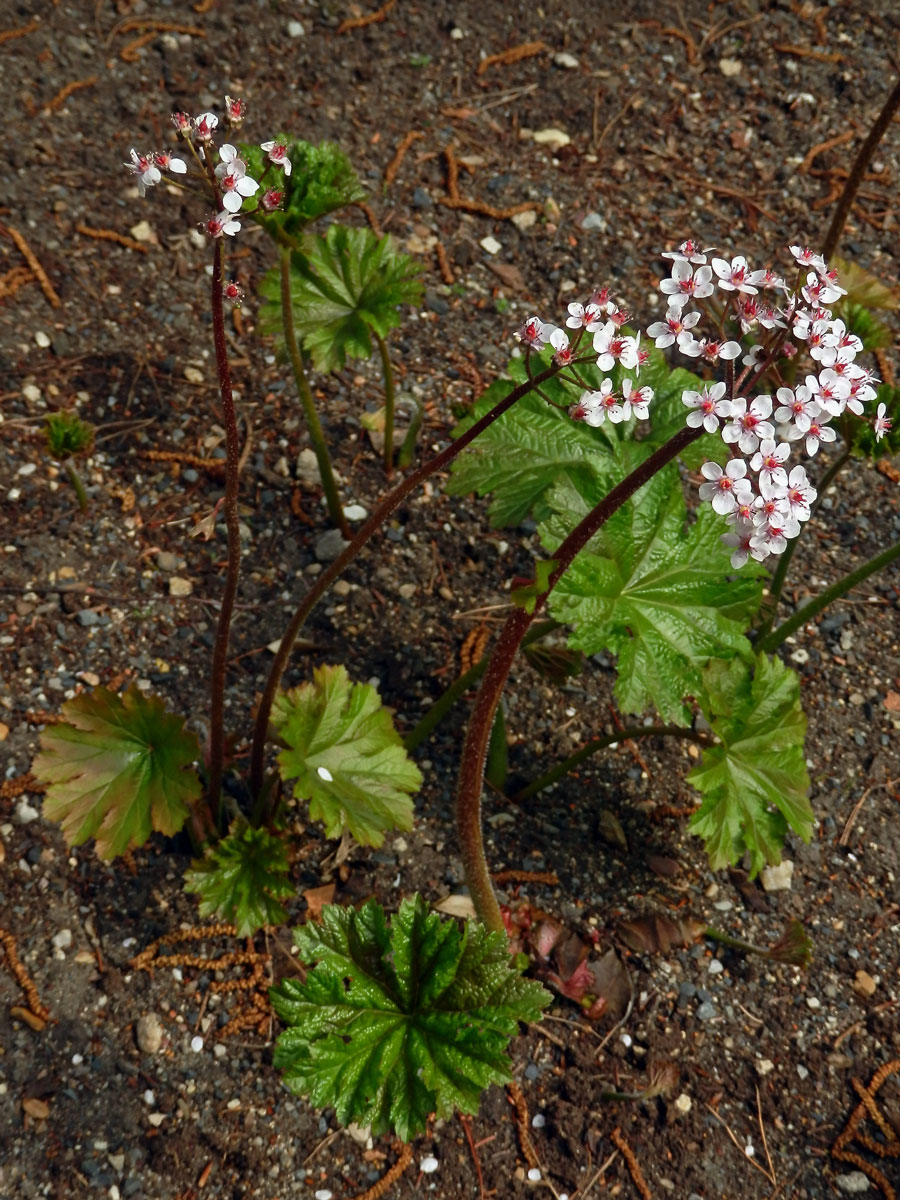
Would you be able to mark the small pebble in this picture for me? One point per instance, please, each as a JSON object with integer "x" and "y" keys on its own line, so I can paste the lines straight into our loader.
{"x": 149, "y": 1035}
{"x": 490, "y": 244}
{"x": 705, "y": 1012}
{"x": 149, "y": 1097}
{"x": 197, "y": 1044}
{"x": 778, "y": 878}
{"x": 524, "y": 220}
{"x": 683, "y": 1104}
{"x": 567, "y": 61}
{"x": 428, "y": 1165}
{"x": 295, "y": 30}
{"x": 854, "y": 1183}
{"x": 593, "y": 220}
{"x": 764, "y": 1066}
{"x": 63, "y": 939}
{"x": 25, "y": 812}
{"x": 802, "y": 1072}
{"x": 323, "y": 1194}
{"x": 355, "y": 512}
{"x": 538, "y": 1121}
{"x": 42, "y": 339}
{"x": 179, "y": 586}
{"x": 534, "y": 1175}
{"x": 715, "y": 968}
{"x": 156, "y": 1119}
{"x": 813, "y": 1002}
{"x": 77, "y": 1060}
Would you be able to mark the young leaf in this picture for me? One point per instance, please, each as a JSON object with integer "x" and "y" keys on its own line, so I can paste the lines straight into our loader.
{"x": 118, "y": 769}
{"x": 660, "y": 597}
{"x": 754, "y": 783}
{"x": 344, "y": 286}
{"x": 526, "y": 595}
{"x": 393, "y": 1024}
{"x": 345, "y": 757}
{"x": 321, "y": 181}
{"x": 242, "y": 879}
{"x": 68, "y": 435}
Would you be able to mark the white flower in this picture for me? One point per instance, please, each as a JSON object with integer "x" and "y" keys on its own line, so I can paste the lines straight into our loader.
{"x": 635, "y": 400}
{"x": 689, "y": 252}
{"x": 882, "y": 423}
{"x": 664, "y": 333}
{"x": 708, "y": 350}
{"x": 726, "y": 489}
{"x": 808, "y": 258}
{"x": 232, "y": 174}
{"x": 800, "y": 494}
{"x": 582, "y": 316}
{"x": 594, "y": 407}
{"x": 562, "y": 351}
{"x": 797, "y": 406}
{"x": 816, "y": 433}
{"x": 830, "y": 391}
{"x": 277, "y": 152}
{"x": 204, "y": 126}
{"x": 733, "y": 276}
{"x": 685, "y": 284}
{"x": 146, "y": 170}
{"x": 535, "y": 333}
{"x": 740, "y": 539}
{"x": 222, "y": 223}
{"x": 613, "y": 347}
{"x": 749, "y": 425}
{"x": 709, "y": 407}
{"x": 769, "y": 461}
{"x": 166, "y": 162}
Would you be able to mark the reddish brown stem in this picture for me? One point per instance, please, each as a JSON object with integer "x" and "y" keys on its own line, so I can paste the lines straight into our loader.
{"x": 471, "y": 772}
{"x": 232, "y": 524}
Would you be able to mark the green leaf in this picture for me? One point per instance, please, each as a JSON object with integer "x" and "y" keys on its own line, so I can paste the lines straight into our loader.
{"x": 345, "y": 757}
{"x": 68, "y": 435}
{"x": 344, "y": 286}
{"x": 660, "y": 596}
{"x": 523, "y": 453}
{"x": 754, "y": 783}
{"x": 117, "y": 770}
{"x": 393, "y": 1024}
{"x": 242, "y": 879}
{"x": 873, "y": 334}
{"x": 321, "y": 181}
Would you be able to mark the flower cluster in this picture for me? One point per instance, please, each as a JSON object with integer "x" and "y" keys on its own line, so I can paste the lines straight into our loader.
{"x": 222, "y": 172}
{"x": 755, "y": 324}
{"x": 603, "y": 318}
{"x": 763, "y": 499}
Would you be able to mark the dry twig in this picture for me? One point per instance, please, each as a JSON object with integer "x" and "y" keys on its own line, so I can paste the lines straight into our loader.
{"x": 889, "y": 1148}
{"x": 517, "y": 1100}
{"x": 444, "y": 265}
{"x": 813, "y": 153}
{"x": 113, "y": 235}
{"x": 22, "y": 978}
{"x": 390, "y": 1177}
{"x": 396, "y": 162}
{"x": 370, "y": 19}
{"x": 7, "y": 35}
{"x": 513, "y": 55}
{"x": 634, "y": 1168}
{"x": 35, "y": 267}
{"x": 64, "y": 93}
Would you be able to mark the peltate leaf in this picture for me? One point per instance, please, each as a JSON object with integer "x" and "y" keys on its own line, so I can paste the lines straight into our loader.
{"x": 242, "y": 879}
{"x": 344, "y": 286}
{"x": 117, "y": 770}
{"x": 321, "y": 181}
{"x": 661, "y": 596}
{"x": 345, "y": 757}
{"x": 393, "y": 1024}
{"x": 754, "y": 782}
{"x": 863, "y": 287}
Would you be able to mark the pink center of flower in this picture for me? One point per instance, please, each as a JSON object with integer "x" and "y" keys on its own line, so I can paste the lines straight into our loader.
{"x": 228, "y": 183}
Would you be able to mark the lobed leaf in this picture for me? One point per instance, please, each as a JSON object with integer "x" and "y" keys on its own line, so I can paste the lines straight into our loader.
{"x": 754, "y": 782}
{"x": 344, "y": 286}
{"x": 243, "y": 878}
{"x": 660, "y": 596}
{"x": 395, "y": 1023}
{"x": 117, "y": 770}
{"x": 345, "y": 757}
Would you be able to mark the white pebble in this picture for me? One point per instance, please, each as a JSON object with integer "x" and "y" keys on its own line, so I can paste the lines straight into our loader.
{"x": 42, "y": 339}
{"x": 323, "y": 1194}
{"x": 149, "y": 1097}
{"x": 177, "y": 974}
{"x": 27, "y": 469}
{"x": 355, "y": 512}
{"x": 220, "y": 1050}
{"x": 295, "y": 29}
{"x": 813, "y": 1002}
{"x": 63, "y": 939}
{"x": 197, "y": 1044}
{"x": 715, "y": 967}
{"x": 31, "y": 393}
{"x": 428, "y": 1165}
{"x": 534, "y": 1175}
{"x": 77, "y": 1060}
{"x": 538, "y": 1121}
{"x": 25, "y": 813}
{"x": 324, "y": 773}
{"x": 490, "y": 244}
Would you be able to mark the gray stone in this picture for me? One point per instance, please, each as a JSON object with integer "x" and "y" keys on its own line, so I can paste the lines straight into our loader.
{"x": 593, "y": 221}
{"x": 87, "y": 617}
{"x": 706, "y": 1012}
{"x": 421, "y": 199}
{"x": 329, "y": 546}
{"x": 167, "y": 561}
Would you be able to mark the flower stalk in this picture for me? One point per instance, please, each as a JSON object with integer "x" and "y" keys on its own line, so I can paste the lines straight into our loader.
{"x": 313, "y": 424}
{"x": 232, "y": 525}
{"x": 388, "y": 373}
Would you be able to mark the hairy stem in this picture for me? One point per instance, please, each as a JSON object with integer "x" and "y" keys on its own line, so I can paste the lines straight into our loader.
{"x": 388, "y": 373}
{"x": 459, "y": 687}
{"x": 313, "y": 424}
{"x": 778, "y": 579}
{"x": 858, "y": 170}
{"x": 569, "y": 764}
{"x": 232, "y": 524}
{"x": 75, "y": 480}
{"x": 408, "y": 446}
{"x": 471, "y": 773}
{"x": 770, "y": 643}
{"x": 334, "y": 569}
